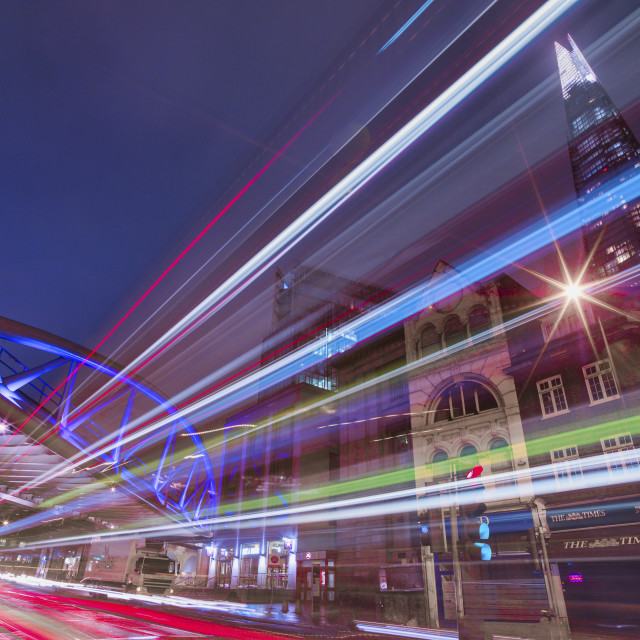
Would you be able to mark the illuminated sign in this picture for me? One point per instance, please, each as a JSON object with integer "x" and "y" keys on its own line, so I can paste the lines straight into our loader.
{"x": 307, "y": 555}
{"x": 604, "y": 513}
{"x": 575, "y": 577}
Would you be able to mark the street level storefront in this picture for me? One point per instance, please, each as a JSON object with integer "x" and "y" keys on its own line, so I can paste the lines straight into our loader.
{"x": 223, "y": 560}
{"x": 316, "y": 576}
{"x": 617, "y": 512}
{"x": 253, "y": 566}
{"x": 598, "y": 565}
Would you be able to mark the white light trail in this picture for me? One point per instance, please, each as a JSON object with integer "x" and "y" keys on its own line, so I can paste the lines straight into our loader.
{"x": 595, "y": 472}
{"x": 567, "y": 220}
{"x": 428, "y": 118}
{"x": 405, "y": 632}
{"x": 101, "y": 390}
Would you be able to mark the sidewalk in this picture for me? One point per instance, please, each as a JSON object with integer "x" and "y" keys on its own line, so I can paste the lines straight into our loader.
{"x": 337, "y": 622}
{"x": 332, "y": 621}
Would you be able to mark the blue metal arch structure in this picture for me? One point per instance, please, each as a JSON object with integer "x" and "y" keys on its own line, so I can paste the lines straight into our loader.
{"x": 182, "y": 485}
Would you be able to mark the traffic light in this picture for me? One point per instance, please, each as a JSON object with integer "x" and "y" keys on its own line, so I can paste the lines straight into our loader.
{"x": 425, "y": 537}
{"x": 432, "y": 530}
{"x": 475, "y": 527}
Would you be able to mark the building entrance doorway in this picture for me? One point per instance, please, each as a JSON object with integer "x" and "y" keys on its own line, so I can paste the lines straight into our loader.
{"x": 317, "y": 582}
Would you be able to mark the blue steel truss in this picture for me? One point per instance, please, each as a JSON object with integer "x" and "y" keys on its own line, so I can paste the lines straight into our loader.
{"x": 184, "y": 486}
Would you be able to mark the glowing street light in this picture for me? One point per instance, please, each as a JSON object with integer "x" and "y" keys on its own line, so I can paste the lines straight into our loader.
{"x": 573, "y": 291}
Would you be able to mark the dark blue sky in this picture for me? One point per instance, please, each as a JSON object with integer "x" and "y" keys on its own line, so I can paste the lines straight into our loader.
{"x": 128, "y": 125}
{"x": 124, "y": 123}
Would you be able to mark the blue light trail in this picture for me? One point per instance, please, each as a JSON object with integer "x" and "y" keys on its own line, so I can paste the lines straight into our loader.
{"x": 406, "y": 25}
{"x": 428, "y": 118}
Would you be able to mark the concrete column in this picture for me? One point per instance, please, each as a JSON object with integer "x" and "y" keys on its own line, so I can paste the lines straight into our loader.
{"x": 213, "y": 563}
{"x": 291, "y": 572}
{"x": 262, "y": 572}
{"x": 561, "y": 630}
{"x": 235, "y": 571}
{"x": 202, "y": 568}
{"x": 430, "y": 590}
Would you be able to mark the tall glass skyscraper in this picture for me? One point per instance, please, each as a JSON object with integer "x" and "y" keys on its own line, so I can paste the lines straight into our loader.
{"x": 602, "y": 148}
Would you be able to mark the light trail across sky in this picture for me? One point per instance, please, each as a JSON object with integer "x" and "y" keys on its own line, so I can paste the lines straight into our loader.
{"x": 406, "y": 25}
{"x": 582, "y": 436}
{"x": 151, "y": 354}
{"x": 520, "y": 484}
{"x": 306, "y": 223}
{"x": 565, "y": 221}
{"x": 171, "y": 266}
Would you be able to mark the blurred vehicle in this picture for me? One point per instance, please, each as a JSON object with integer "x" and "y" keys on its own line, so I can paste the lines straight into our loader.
{"x": 121, "y": 566}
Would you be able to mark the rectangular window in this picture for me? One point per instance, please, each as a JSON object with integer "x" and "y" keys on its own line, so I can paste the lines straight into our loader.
{"x": 600, "y": 381}
{"x": 552, "y": 398}
{"x": 568, "y": 472}
{"x": 615, "y": 448}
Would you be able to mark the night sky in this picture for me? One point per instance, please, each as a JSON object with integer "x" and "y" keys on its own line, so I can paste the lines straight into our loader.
{"x": 124, "y": 124}
{"x": 129, "y": 125}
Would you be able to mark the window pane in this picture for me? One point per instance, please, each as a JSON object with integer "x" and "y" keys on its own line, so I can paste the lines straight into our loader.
{"x": 453, "y": 331}
{"x": 441, "y": 467}
{"x": 456, "y": 401}
{"x": 609, "y": 384}
{"x": 596, "y": 389}
{"x": 468, "y": 450}
{"x": 442, "y": 411}
{"x": 558, "y": 396}
{"x": 429, "y": 340}
{"x": 478, "y": 320}
{"x": 547, "y": 403}
{"x": 499, "y": 455}
{"x": 469, "y": 398}
{"x": 486, "y": 399}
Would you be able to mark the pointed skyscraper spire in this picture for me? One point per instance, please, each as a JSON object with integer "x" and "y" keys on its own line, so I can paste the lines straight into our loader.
{"x": 573, "y": 67}
{"x": 601, "y": 147}
{"x": 600, "y": 141}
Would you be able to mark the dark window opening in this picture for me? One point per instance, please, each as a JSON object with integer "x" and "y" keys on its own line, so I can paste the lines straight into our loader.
{"x": 478, "y": 321}
{"x": 429, "y": 340}
{"x": 453, "y": 331}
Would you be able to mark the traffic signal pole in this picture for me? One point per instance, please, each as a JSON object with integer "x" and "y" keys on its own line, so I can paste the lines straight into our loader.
{"x": 457, "y": 573}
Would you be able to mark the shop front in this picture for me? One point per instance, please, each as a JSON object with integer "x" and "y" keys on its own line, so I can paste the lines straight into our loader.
{"x": 278, "y": 553}
{"x": 599, "y": 570}
{"x": 316, "y": 577}
{"x": 249, "y": 565}
{"x": 223, "y": 567}
{"x": 596, "y": 548}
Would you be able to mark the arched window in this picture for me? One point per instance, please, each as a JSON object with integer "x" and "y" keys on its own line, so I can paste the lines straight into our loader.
{"x": 468, "y": 450}
{"x": 500, "y": 456}
{"x": 498, "y": 443}
{"x": 463, "y": 399}
{"x": 453, "y": 331}
{"x": 478, "y": 321}
{"x": 429, "y": 340}
{"x": 440, "y": 466}
{"x": 440, "y": 456}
